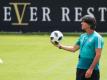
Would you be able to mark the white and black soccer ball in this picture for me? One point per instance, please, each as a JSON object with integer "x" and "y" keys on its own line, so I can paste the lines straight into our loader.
{"x": 56, "y": 36}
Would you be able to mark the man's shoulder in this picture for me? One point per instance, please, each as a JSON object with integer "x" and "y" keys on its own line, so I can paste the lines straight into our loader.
{"x": 97, "y": 35}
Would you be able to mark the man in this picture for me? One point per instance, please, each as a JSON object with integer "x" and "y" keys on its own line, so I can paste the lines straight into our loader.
{"x": 90, "y": 45}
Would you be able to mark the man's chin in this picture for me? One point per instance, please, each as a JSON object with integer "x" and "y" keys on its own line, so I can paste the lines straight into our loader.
{"x": 83, "y": 30}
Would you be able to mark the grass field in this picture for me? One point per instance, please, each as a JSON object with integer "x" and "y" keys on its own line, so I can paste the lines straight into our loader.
{"x": 33, "y": 57}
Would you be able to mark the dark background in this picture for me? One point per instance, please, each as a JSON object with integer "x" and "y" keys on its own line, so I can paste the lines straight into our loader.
{"x": 55, "y": 15}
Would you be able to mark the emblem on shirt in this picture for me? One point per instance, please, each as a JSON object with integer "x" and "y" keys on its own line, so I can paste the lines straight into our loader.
{"x": 89, "y": 40}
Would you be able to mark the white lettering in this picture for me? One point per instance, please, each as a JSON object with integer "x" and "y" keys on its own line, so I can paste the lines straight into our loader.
{"x": 33, "y": 14}
{"x": 65, "y": 13}
{"x": 78, "y": 11}
{"x": 7, "y": 13}
{"x": 102, "y": 9}
{"x": 46, "y": 12}
{"x": 89, "y": 10}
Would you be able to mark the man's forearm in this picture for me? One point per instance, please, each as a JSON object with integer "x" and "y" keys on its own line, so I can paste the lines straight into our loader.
{"x": 95, "y": 61}
{"x": 69, "y": 48}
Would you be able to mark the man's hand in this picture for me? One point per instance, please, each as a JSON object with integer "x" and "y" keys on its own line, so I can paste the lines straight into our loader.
{"x": 56, "y": 44}
{"x": 88, "y": 73}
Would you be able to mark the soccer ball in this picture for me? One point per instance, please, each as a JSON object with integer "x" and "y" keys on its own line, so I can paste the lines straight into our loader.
{"x": 56, "y": 37}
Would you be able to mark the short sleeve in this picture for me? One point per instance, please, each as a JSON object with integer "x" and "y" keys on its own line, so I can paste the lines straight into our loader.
{"x": 78, "y": 42}
{"x": 99, "y": 43}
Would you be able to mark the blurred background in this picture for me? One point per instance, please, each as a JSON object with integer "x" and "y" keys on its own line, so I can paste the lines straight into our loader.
{"x": 25, "y": 26}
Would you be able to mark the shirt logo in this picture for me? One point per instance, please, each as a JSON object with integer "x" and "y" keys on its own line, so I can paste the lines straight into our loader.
{"x": 89, "y": 40}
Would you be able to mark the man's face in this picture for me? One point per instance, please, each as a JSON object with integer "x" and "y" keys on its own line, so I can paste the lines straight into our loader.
{"x": 84, "y": 26}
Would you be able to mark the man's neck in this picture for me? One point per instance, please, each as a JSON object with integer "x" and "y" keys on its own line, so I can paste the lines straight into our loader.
{"x": 90, "y": 31}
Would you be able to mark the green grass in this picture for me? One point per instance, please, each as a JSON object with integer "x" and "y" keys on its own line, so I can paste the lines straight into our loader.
{"x": 33, "y": 57}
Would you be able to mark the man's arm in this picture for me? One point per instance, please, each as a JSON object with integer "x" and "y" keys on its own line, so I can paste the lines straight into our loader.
{"x": 68, "y": 48}
{"x": 95, "y": 61}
